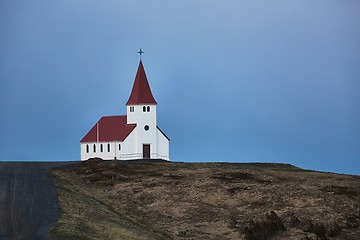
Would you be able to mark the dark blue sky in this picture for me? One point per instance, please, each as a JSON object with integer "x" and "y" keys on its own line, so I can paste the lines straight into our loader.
{"x": 245, "y": 81}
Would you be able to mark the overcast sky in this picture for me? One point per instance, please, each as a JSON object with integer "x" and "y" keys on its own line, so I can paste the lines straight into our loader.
{"x": 235, "y": 80}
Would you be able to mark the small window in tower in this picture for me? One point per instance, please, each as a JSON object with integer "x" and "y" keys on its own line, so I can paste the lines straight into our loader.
{"x": 87, "y": 148}
{"x": 144, "y": 109}
{"x": 108, "y": 147}
{"x": 101, "y": 148}
{"x": 119, "y": 147}
{"x": 94, "y": 148}
{"x": 148, "y": 108}
{"x": 132, "y": 109}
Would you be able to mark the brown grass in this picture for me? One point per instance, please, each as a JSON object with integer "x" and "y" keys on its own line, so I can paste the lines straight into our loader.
{"x": 164, "y": 200}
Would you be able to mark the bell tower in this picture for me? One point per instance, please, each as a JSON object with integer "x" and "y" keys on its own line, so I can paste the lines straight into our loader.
{"x": 141, "y": 106}
{"x": 141, "y": 110}
{"x": 132, "y": 136}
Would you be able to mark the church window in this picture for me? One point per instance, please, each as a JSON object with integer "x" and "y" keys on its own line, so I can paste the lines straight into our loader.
{"x": 87, "y": 148}
{"x": 148, "y": 108}
{"x": 108, "y": 147}
{"x": 94, "y": 148}
{"x": 101, "y": 148}
{"x": 132, "y": 109}
{"x": 119, "y": 147}
{"x": 146, "y": 127}
{"x": 144, "y": 108}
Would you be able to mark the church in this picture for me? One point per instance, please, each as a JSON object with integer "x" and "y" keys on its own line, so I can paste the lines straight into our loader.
{"x": 131, "y": 136}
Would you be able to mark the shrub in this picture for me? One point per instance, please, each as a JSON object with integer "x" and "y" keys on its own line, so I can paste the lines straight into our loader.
{"x": 264, "y": 230}
{"x": 233, "y": 177}
{"x": 318, "y": 228}
{"x": 294, "y": 221}
{"x": 341, "y": 190}
{"x": 353, "y": 221}
{"x": 335, "y": 230}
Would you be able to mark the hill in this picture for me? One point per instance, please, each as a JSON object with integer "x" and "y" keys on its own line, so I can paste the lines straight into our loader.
{"x": 166, "y": 200}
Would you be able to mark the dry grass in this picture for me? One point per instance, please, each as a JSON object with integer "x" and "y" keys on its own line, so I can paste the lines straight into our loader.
{"x": 162, "y": 200}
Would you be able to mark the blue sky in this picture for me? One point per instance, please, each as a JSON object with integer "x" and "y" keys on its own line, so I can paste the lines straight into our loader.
{"x": 243, "y": 81}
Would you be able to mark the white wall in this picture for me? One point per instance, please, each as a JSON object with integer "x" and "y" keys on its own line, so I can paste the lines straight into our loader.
{"x": 132, "y": 147}
{"x": 105, "y": 154}
{"x": 142, "y": 119}
{"x": 163, "y": 150}
{"x": 129, "y": 150}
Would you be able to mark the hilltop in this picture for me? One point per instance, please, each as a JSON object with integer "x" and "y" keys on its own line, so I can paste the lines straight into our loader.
{"x": 166, "y": 200}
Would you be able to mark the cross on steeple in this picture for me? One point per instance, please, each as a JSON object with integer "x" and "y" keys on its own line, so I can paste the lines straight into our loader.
{"x": 140, "y": 52}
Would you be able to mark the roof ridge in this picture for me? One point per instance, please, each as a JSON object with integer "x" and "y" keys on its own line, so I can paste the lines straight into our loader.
{"x": 109, "y": 128}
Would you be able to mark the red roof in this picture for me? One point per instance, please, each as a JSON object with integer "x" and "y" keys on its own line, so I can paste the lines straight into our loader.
{"x": 141, "y": 92}
{"x": 111, "y": 128}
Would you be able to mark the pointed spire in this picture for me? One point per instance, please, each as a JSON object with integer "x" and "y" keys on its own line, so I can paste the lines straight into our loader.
{"x": 141, "y": 92}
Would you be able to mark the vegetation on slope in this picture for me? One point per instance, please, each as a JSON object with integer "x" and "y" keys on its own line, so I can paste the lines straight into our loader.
{"x": 165, "y": 200}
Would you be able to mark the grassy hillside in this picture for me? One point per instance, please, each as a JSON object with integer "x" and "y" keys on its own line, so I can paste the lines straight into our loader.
{"x": 164, "y": 200}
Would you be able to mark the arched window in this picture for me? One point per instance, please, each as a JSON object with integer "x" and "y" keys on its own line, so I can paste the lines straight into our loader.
{"x": 108, "y": 147}
{"x": 94, "y": 148}
{"x": 119, "y": 147}
{"x": 87, "y": 148}
{"x": 148, "y": 108}
{"x": 101, "y": 148}
{"x": 144, "y": 109}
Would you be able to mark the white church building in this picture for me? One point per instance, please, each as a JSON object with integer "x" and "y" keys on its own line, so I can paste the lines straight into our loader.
{"x": 131, "y": 136}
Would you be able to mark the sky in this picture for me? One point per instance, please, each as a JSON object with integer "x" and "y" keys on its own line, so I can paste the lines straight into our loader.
{"x": 235, "y": 80}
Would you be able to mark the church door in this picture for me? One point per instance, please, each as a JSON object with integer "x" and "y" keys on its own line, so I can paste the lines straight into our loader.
{"x": 146, "y": 151}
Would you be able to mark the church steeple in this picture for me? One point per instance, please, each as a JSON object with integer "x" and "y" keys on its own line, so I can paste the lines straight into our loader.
{"x": 131, "y": 136}
{"x": 141, "y": 92}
